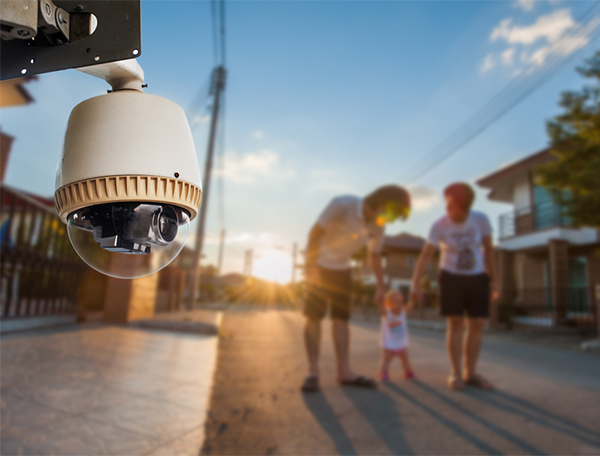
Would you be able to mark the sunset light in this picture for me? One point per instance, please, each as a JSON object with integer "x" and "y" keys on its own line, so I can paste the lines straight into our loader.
{"x": 273, "y": 265}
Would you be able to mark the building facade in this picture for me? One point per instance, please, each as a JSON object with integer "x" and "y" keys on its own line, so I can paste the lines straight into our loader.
{"x": 549, "y": 269}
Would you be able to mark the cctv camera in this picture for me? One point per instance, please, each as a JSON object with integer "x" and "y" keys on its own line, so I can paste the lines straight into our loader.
{"x": 128, "y": 181}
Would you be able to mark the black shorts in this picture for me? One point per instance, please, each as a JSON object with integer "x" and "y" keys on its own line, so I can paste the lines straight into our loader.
{"x": 334, "y": 288}
{"x": 460, "y": 294}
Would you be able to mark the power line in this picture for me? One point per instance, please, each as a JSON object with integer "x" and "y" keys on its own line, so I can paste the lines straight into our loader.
{"x": 213, "y": 10}
{"x": 512, "y": 94}
{"x": 222, "y": 17}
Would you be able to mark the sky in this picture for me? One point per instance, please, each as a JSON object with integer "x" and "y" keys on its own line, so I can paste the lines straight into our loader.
{"x": 326, "y": 98}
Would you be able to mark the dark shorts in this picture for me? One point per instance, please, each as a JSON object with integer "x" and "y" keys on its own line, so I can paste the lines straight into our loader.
{"x": 460, "y": 294}
{"x": 334, "y": 289}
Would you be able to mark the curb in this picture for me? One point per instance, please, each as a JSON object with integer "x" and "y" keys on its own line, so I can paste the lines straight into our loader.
{"x": 189, "y": 327}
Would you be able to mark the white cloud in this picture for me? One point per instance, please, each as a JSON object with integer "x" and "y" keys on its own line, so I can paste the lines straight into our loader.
{"x": 549, "y": 27}
{"x": 556, "y": 33}
{"x": 487, "y": 64}
{"x": 525, "y": 5}
{"x": 200, "y": 120}
{"x": 258, "y": 134}
{"x": 251, "y": 168}
{"x": 508, "y": 56}
{"x": 528, "y": 5}
{"x": 422, "y": 198}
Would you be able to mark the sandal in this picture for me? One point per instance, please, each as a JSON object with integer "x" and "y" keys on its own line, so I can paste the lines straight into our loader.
{"x": 310, "y": 385}
{"x": 384, "y": 376}
{"x": 360, "y": 382}
{"x": 479, "y": 382}
{"x": 455, "y": 383}
{"x": 410, "y": 375}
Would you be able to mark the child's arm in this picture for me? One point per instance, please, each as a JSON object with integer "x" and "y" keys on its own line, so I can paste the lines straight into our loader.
{"x": 409, "y": 306}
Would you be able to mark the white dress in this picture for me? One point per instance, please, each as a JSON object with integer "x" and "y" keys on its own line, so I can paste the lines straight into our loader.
{"x": 396, "y": 338}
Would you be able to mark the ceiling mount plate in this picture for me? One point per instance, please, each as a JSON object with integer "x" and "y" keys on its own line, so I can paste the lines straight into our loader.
{"x": 117, "y": 37}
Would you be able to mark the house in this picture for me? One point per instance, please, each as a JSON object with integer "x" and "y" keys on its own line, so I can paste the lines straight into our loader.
{"x": 548, "y": 269}
{"x": 399, "y": 257}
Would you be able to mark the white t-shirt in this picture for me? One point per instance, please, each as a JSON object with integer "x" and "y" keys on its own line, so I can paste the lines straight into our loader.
{"x": 461, "y": 244}
{"x": 395, "y": 338}
{"x": 346, "y": 232}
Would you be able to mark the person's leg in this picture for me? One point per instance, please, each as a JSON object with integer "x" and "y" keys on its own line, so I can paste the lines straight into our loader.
{"x": 386, "y": 358}
{"x": 406, "y": 366}
{"x": 314, "y": 311}
{"x": 341, "y": 342}
{"x": 312, "y": 342}
{"x": 472, "y": 345}
{"x": 477, "y": 306}
{"x": 454, "y": 340}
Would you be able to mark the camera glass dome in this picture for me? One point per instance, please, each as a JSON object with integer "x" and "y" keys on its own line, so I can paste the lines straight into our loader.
{"x": 128, "y": 240}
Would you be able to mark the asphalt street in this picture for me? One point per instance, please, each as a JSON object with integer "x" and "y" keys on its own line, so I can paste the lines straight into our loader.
{"x": 547, "y": 399}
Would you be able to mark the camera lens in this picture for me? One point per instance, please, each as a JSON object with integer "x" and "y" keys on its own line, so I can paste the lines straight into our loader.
{"x": 166, "y": 223}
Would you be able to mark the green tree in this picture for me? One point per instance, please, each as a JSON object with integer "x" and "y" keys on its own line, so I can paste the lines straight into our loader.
{"x": 573, "y": 179}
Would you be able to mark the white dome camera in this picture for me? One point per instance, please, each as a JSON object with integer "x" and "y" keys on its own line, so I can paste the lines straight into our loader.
{"x": 128, "y": 180}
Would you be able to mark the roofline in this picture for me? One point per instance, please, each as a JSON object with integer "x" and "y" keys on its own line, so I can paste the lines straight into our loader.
{"x": 487, "y": 181}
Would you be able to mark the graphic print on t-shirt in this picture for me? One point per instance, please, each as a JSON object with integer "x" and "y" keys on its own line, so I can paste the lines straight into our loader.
{"x": 466, "y": 255}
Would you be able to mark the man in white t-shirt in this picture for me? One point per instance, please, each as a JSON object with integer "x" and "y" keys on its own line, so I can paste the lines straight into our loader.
{"x": 347, "y": 224}
{"x": 467, "y": 280}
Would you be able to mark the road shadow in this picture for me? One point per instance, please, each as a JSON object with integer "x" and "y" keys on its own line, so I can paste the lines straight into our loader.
{"x": 483, "y": 446}
{"x": 321, "y": 409}
{"x": 380, "y": 411}
{"x": 526, "y": 446}
{"x": 517, "y": 406}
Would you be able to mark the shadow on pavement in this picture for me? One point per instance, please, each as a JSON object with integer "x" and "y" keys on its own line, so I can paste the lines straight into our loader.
{"x": 381, "y": 413}
{"x": 484, "y": 447}
{"x": 530, "y": 411}
{"x": 526, "y": 446}
{"x": 319, "y": 406}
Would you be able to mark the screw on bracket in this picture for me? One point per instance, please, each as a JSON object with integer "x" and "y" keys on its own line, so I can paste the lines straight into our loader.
{"x": 79, "y": 7}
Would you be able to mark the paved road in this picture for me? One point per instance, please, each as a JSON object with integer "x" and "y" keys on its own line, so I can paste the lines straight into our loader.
{"x": 99, "y": 389}
{"x": 547, "y": 402}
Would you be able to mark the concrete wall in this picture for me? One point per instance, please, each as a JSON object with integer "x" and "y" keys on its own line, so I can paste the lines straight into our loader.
{"x": 522, "y": 193}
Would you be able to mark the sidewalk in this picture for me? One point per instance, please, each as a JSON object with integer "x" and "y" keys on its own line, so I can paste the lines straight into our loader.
{"x": 97, "y": 389}
{"x": 546, "y": 401}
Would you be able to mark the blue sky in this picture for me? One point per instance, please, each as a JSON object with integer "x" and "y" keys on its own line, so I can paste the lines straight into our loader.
{"x": 327, "y": 98}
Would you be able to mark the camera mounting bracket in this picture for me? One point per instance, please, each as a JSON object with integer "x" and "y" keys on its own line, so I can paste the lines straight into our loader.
{"x": 116, "y": 37}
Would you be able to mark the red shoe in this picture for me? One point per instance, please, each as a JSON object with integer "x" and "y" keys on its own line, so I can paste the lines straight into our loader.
{"x": 410, "y": 375}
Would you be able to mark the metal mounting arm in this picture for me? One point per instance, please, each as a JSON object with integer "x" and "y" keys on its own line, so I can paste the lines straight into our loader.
{"x": 121, "y": 75}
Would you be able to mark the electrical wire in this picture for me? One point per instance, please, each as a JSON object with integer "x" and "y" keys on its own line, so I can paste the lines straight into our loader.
{"x": 512, "y": 94}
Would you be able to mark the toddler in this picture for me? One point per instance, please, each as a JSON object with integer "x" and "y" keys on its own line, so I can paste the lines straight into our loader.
{"x": 394, "y": 334}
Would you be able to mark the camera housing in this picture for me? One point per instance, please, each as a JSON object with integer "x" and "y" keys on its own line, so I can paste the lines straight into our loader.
{"x": 128, "y": 176}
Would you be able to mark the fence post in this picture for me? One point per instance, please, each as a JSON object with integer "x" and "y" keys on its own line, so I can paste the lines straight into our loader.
{"x": 506, "y": 281}
{"x": 597, "y": 305}
{"x": 559, "y": 277}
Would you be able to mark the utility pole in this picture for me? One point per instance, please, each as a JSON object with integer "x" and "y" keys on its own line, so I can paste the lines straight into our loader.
{"x": 218, "y": 85}
{"x": 294, "y": 266}
{"x": 249, "y": 254}
{"x": 221, "y": 245}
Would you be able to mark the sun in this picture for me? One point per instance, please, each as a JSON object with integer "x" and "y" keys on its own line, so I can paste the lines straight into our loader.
{"x": 273, "y": 265}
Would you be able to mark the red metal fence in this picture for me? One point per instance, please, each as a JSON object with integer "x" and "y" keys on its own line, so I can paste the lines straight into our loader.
{"x": 40, "y": 271}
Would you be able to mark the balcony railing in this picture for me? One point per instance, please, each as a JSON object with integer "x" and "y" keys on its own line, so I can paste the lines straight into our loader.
{"x": 533, "y": 218}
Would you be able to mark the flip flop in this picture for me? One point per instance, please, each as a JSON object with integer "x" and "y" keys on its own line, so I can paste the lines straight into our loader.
{"x": 310, "y": 385}
{"x": 360, "y": 382}
{"x": 479, "y": 382}
{"x": 455, "y": 383}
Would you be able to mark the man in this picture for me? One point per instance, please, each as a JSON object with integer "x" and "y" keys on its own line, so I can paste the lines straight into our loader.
{"x": 467, "y": 280}
{"x": 347, "y": 224}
